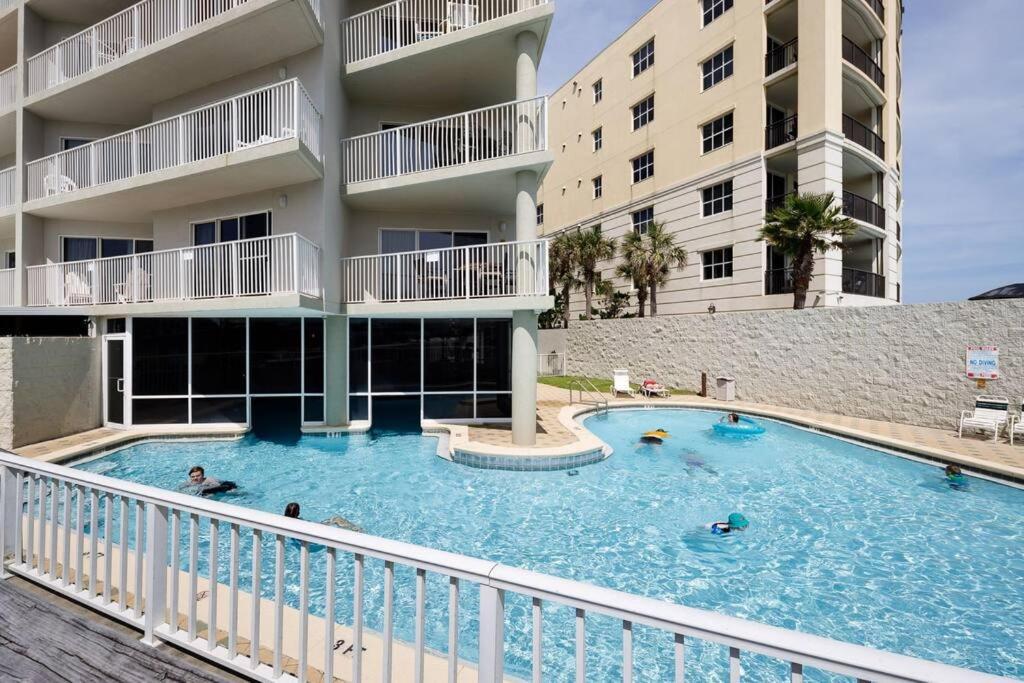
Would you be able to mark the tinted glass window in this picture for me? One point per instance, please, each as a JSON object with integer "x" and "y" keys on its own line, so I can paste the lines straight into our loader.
{"x": 213, "y": 410}
{"x": 275, "y": 355}
{"x": 218, "y": 356}
{"x": 396, "y": 355}
{"x": 448, "y": 406}
{"x": 359, "y": 408}
{"x": 494, "y": 355}
{"x": 160, "y": 411}
{"x": 358, "y": 333}
{"x": 160, "y": 356}
{"x": 491, "y": 406}
{"x": 447, "y": 355}
{"x": 314, "y": 406}
{"x": 314, "y": 347}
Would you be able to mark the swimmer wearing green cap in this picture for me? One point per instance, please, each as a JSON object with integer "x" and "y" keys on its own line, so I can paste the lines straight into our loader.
{"x": 737, "y": 522}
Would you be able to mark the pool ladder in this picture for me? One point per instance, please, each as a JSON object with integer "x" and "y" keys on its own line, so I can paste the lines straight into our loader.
{"x": 588, "y": 393}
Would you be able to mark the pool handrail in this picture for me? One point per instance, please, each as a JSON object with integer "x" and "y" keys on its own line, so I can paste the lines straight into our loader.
{"x": 18, "y": 474}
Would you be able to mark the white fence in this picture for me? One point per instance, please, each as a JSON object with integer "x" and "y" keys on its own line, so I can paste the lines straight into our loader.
{"x": 8, "y": 87}
{"x": 7, "y": 287}
{"x": 551, "y": 364}
{"x": 279, "y": 264}
{"x": 488, "y": 270}
{"x": 8, "y": 178}
{"x": 122, "y": 34}
{"x": 269, "y": 114}
{"x": 491, "y": 133}
{"x": 407, "y": 22}
{"x": 110, "y": 543}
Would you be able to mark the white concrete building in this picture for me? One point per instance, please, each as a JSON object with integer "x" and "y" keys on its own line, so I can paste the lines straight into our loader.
{"x": 303, "y": 208}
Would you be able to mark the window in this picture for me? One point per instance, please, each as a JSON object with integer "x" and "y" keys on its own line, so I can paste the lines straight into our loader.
{"x": 598, "y": 136}
{"x": 643, "y": 166}
{"x": 717, "y": 198}
{"x": 718, "y": 68}
{"x": 642, "y": 220}
{"x": 232, "y": 228}
{"x": 717, "y": 133}
{"x": 598, "y": 183}
{"x": 598, "y": 90}
{"x": 643, "y": 113}
{"x": 85, "y": 248}
{"x": 714, "y": 9}
{"x": 540, "y": 214}
{"x": 643, "y": 59}
{"x": 72, "y": 143}
{"x": 716, "y": 264}
{"x": 11, "y": 260}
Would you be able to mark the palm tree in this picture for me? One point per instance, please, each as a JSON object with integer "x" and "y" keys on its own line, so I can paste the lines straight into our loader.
{"x": 634, "y": 267}
{"x": 562, "y": 269}
{"x": 806, "y": 225}
{"x": 662, "y": 255}
{"x": 591, "y": 248}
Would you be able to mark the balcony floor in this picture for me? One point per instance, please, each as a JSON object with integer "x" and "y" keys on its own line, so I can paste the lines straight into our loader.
{"x": 275, "y": 305}
{"x": 276, "y": 164}
{"x": 124, "y": 91}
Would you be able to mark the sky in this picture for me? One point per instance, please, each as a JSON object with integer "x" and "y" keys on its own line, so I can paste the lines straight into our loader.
{"x": 963, "y": 132}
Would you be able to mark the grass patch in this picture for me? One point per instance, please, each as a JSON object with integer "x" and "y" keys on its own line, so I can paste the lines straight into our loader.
{"x": 602, "y": 385}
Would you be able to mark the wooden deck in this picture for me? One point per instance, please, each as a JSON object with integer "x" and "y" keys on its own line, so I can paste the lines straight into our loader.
{"x": 44, "y": 637}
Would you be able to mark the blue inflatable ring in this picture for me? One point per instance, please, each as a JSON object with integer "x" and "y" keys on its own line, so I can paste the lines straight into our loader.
{"x": 745, "y": 427}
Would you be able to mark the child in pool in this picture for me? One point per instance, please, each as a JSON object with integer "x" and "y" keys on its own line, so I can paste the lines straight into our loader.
{"x": 955, "y": 477}
{"x": 737, "y": 522}
{"x": 293, "y": 511}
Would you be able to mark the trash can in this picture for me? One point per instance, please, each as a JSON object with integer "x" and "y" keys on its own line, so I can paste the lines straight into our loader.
{"x": 726, "y": 388}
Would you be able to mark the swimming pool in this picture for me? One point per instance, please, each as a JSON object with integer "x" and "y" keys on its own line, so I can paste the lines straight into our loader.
{"x": 845, "y": 541}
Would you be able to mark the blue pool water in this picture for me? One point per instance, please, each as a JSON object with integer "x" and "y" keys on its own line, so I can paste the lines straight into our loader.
{"x": 844, "y": 541}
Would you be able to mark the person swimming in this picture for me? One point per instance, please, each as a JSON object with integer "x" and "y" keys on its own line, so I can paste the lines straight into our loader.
{"x": 733, "y": 418}
{"x": 736, "y": 522}
{"x": 201, "y": 485}
{"x": 655, "y": 436}
{"x": 293, "y": 510}
{"x": 955, "y": 477}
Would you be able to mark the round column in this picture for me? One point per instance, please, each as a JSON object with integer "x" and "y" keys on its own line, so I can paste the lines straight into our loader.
{"x": 524, "y": 378}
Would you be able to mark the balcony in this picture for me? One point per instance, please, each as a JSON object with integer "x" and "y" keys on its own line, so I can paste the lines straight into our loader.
{"x": 780, "y": 58}
{"x": 8, "y": 88}
{"x": 262, "y": 139}
{"x": 778, "y": 281}
{"x": 863, "y": 283}
{"x": 253, "y": 270}
{"x": 456, "y": 160}
{"x": 158, "y": 49}
{"x": 772, "y": 203}
{"x": 857, "y": 132}
{"x": 411, "y": 51}
{"x": 865, "y": 210}
{"x": 878, "y": 8}
{"x": 853, "y": 54}
{"x": 516, "y": 273}
{"x": 780, "y": 133}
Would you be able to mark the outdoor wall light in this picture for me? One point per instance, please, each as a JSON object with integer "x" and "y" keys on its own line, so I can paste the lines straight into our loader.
{"x": 282, "y": 201}
{"x": 711, "y": 308}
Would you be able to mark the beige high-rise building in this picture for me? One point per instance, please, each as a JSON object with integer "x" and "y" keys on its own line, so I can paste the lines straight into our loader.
{"x": 706, "y": 113}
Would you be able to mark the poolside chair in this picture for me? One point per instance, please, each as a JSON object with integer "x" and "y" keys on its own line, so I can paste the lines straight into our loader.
{"x": 77, "y": 290}
{"x": 1017, "y": 424}
{"x": 56, "y": 183}
{"x": 620, "y": 384}
{"x": 652, "y": 387}
{"x": 990, "y": 413}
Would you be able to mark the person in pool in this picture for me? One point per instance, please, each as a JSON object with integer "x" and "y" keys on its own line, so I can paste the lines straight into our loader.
{"x": 955, "y": 477}
{"x": 202, "y": 485}
{"x": 736, "y": 522}
{"x": 732, "y": 418}
{"x": 292, "y": 510}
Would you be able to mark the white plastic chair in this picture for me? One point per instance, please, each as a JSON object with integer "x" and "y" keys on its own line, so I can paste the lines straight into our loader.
{"x": 77, "y": 290}
{"x": 1017, "y": 425}
{"x": 461, "y": 15}
{"x": 620, "y": 383}
{"x": 58, "y": 184}
{"x": 990, "y": 413}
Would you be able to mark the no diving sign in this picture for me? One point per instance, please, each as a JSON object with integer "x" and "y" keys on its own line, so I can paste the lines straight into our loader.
{"x": 983, "y": 362}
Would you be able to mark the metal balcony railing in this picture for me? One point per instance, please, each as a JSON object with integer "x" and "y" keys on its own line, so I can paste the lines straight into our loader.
{"x": 407, "y": 22}
{"x": 7, "y": 276}
{"x": 489, "y": 270}
{"x": 857, "y": 132}
{"x": 8, "y": 87}
{"x": 862, "y": 282}
{"x": 781, "y": 57}
{"x": 280, "y": 264}
{"x": 277, "y": 112}
{"x": 123, "y": 34}
{"x": 491, "y": 133}
{"x": 863, "y": 61}
{"x": 772, "y": 203}
{"x": 878, "y": 8}
{"x": 859, "y": 208}
{"x": 780, "y": 132}
{"x": 7, "y": 183}
{"x": 778, "y": 281}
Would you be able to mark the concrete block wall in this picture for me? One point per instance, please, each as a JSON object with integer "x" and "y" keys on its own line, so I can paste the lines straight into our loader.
{"x": 899, "y": 363}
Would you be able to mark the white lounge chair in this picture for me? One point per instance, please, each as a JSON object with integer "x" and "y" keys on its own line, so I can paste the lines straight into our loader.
{"x": 990, "y": 414}
{"x": 620, "y": 384}
{"x": 650, "y": 387}
{"x": 1017, "y": 425}
{"x": 58, "y": 184}
{"x": 77, "y": 290}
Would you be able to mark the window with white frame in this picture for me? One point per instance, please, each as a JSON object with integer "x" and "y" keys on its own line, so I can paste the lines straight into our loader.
{"x": 717, "y": 133}
{"x": 716, "y": 264}
{"x": 643, "y": 166}
{"x": 643, "y": 112}
{"x": 598, "y": 88}
{"x": 717, "y": 198}
{"x": 643, "y": 59}
{"x": 598, "y": 184}
{"x": 540, "y": 214}
{"x": 86, "y": 248}
{"x": 717, "y": 68}
{"x": 714, "y": 9}
{"x": 642, "y": 220}
{"x": 232, "y": 228}
{"x": 598, "y": 135}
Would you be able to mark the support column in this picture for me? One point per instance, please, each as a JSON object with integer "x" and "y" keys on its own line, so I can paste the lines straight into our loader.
{"x": 527, "y": 46}
{"x": 526, "y": 205}
{"x": 524, "y": 378}
{"x": 820, "y": 171}
{"x": 336, "y": 358}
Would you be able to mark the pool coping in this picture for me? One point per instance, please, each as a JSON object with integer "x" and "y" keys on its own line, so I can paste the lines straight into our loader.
{"x": 136, "y": 435}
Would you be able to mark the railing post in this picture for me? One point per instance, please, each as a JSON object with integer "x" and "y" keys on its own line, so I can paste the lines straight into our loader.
{"x": 492, "y": 634}
{"x": 295, "y": 263}
{"x": 95, "y": 49}
{"x": 235, "y": 285}
{"x": 9, "y": 518}
{"x": 465, "y": 135}
{"x": 155, "y": 566}
{"x": 398, "y": 278}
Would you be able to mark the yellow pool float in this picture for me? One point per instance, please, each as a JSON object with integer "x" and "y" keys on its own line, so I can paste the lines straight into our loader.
{"x": 654, "y": 436}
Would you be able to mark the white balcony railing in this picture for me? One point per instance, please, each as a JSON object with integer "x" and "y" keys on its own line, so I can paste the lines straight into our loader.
{"x": 142, "y": 567}
{"x": 277, "y": 112}
{"x": 281, "y": 264}
{"x": 488, "y": 270}
{"x": 406, "y": 22}
{"x": 8, "y": 177}
{"x": 490, "y": 133}
{"x": 8, "y": 87}
{"x": 122, "y": 34}
{"x": 7, "y": 287}
{"x": 7, "y": 4}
